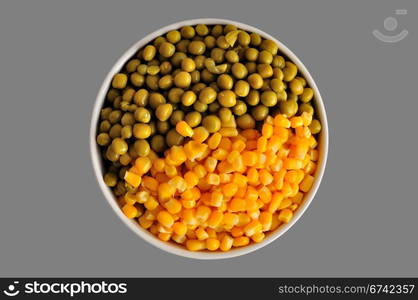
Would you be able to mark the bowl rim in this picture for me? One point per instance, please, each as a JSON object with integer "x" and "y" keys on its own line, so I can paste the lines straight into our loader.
{"x": 145, "y": 234}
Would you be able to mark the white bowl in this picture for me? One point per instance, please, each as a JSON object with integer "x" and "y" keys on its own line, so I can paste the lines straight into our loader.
{"x": 171, "y": 247}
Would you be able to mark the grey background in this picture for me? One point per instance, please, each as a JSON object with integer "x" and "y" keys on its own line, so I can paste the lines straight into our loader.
{"x": 54, "y": 221}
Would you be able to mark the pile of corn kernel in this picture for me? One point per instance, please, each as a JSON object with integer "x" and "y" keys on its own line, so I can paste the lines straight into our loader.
{"x": 227, "y": 189}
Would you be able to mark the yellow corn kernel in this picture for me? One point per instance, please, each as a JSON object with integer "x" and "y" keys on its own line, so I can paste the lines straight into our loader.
{"x": 262, "y": 144}
{"x": 130, "y": 198}
{"x": 296, "y": 122}
{"x": 210, "y": 164}
{"x": 194, "y": 150}
{"x": 285, "y": 215}
{"x": 267, "y": 130}
{"x": 188, "y": 216}
{"x": 130, "y": 211}
{"x": 179, "y": 239}
{"x": 265, "y": 177}
{"x": 306, "y": 183}
{"x": 237, "y": 204}
{"x": 202, "y": 213}
{"x": 165, "y": 237}
{"x": 281, "y": 121}
{"x": 253, "y": 227}
{"x": 241, "y": 241}
{"x": 132, "y": 178}
{"x": 298, "y": 198}
{"x": 214, "y": 140}
{"x": 178, "y": 183}
{"x": 215, "y": 219}
{"x": 184, "y": 129}
{"x": 314, "y": 154}
{"x": 165, "y": 218}
{"x": 199, "y": 170}
{"x": 201, "y": 234}
{"x": 285, "y": 203}
{"x": 195, "y": 245}
{"x": 173, "y": 206}
{"x": 276, "y": 200}
{"x": 177, "y": 155}
{"x": 258, "y": 237}
{"x": 165, "y": 191}
{"x": 144, "y": 223}
{"x": 158, "y": 164}
{"x": 229, "y": 189}
{"x": 265, "y": 194}
{"x": 310, "y": 168}
{"x": 212, "y": 244}
{"x": 151, "y": 203}
{"x": 213, "y": 179}
{"x": 142, "y": 197}
{"x": 307, "y": 118}
{"x": 226, "y": 243}
{"x": 266, "y": 219}
{"x": 292, "y": 164}
{"x": 230, "y": 220}
{"x": 225, "y": 144}
{"x": 143, "y": 165}
{"x": 150, "y": 183}
{"x": 220, "y": 154}
{"x": 191, "y": 179}
{"x": 251, "y": 145}
{"x": 200, "y": 134}
{"x": 179, "y": 228}
{"x": 228, "y": 131}
{"x": 170, "y": 170}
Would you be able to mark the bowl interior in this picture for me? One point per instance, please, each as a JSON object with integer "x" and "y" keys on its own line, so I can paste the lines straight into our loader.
{"x": 171, "y": 247}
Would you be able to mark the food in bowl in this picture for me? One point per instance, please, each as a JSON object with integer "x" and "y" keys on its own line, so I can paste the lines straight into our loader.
{"x": 209, "y": 137}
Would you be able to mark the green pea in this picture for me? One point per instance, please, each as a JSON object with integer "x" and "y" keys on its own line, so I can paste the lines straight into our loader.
{"x": 296, "y": 86}
{"x": 260, "y": 112}
{"x": 119, "y": 81}
{"x": 269, "y": 98}
{"x": 156, "y": 99}
{"x": 149, "y": 52}
{"x": 202, "y": 29}
{"x": 152, "y": 82}
{"x": 305, "y": 107}
{"x": 245, "y": 122}
{"x": 200, "y": 106}
{"x": 115, "y": 131}
{"x": 214, "y": 107}
{"x": 288, "y": 108}
{"x": 188, "y": 98}
{"x": 240, "y": 108}
{"x": 239, "y": 70}
{"x": 269, "y": 46}
{"x": 315, "y": 126}
{"x": 115, "y": 116}
{"x": 225, "y": 82}
{"x": 158, "y": 143}
{"x": 225, "y": 114}
{"x": 162, "y": 126}
{"x": 265, "y": 57}
{"x": 126, "y": 132}
{"x": 251, "y": 54}
{"x": 255, "y": 39}
{"x": 142, "y": 115}
{"x": 112, "y": 94}
{"x": 142, "y": 148}
{"x": 173, "y": 36}
{"x": 231, "y": 56}
{"x": 277, "y": 85}
{"x": 110, "y": 179}
{"x": 187, "y": 32}
{"x": 176, "y": 117}
{"x": 105, "y": 112}
{"x": 227, "y": 98}
{"x": 119, "y": 146}
{"x": 173, "y": 138}
{"x": 141, "y": 97}
{"x": 244, "y": 39}
{"x": 265, "y": 70}
{"x": 241, "y": 88}
{"x": 253, "y": 98}
{"x": 196, "y": 47}
{"x": 174, "y": 95}
{"x": 211, "y": 123}
{"x": 164, "y": 112}
{"x": 103, "y": 139}
{"x": 167, "y": 49}
{"x": 104, "y": 126}
{"x": 193, "y": 118}
{"x": 207, "y": 95}
{"x": 307, "y": 95}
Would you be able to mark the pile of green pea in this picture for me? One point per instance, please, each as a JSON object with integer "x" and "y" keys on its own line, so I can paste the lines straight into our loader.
{"x": 212, "y": 76}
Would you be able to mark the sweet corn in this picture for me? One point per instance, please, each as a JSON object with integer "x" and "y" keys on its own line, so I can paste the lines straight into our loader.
{"x": 184, "y": 129}
{"x": 285, "y": 215}
{"x": 212, "y": 244}
{"x": 195, "y": 245}
{"x": 200, "y": 134}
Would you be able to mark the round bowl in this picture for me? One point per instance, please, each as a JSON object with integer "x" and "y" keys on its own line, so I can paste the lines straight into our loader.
{"x": 171, "y": 247}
